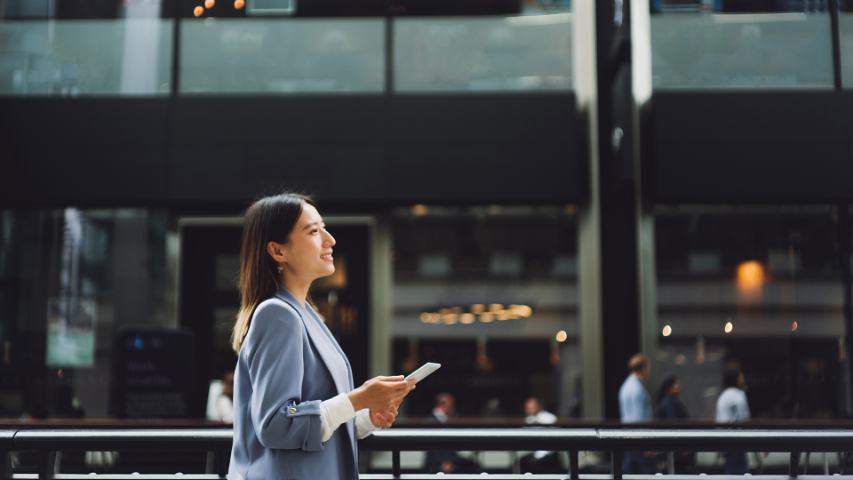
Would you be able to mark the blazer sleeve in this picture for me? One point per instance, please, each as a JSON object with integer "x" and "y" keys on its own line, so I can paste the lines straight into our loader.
{"x": 280, "y": 417}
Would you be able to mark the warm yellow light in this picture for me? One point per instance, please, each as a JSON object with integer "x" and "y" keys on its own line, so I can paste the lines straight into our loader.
{"x": 208, "y": 4}
{"x": 562, "y": 336}
{"x": 467, "y": 318}
{"x": 794, "y": 326}
{"x": 239, "y": 4}
{"x": 487, "y": 317}
{"x": 521, "y": 310}
{"x": 425, "y": 317}
{"x": 495, "y": 307}
{"x": 478, "y": 308}
{"x": 449, "y": 318}
{"x": 728, "y": 327}
{"x": 198, "y": 11}
{"x": 667, "y": 331}
{"x": 504, "y": 315}
{"x": 419, "y": 210}
{"x": 750, "y": 275}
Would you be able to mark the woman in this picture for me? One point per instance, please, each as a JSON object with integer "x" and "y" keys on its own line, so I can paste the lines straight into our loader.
{"x": 669, "y": 405}
{"x": 293, "y": 385}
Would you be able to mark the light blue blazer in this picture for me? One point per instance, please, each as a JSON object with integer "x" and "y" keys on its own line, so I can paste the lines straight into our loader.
{"x": 285, "y": 368}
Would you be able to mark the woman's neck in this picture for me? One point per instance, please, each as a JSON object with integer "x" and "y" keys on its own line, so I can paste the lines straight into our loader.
{"x": 298, "y": 288}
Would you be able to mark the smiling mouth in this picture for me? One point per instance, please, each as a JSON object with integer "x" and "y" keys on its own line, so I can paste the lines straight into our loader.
{"x": 327, "y": 257}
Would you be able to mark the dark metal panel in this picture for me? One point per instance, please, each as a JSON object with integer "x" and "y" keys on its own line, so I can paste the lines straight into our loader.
{"x": 751, "y": 147}
{"x": 66, "y": 152}
{"x": 484, "y": 148}
{"x": 345, "y": 149}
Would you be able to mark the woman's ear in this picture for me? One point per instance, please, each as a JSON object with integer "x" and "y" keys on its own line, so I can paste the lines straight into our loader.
{"x": 276, "y": 251}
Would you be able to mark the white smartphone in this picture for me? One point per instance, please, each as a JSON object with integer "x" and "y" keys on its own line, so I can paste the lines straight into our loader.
{"x": 424, "y": 371}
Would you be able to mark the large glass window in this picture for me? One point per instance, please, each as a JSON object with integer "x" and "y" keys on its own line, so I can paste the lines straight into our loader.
{"x": 282, "y": 56}
{"x": 529, "y": 52}
{"x": 84, "y": 48}
{"x": 755, "y": 287}
{"x": 491, "y": 293}
{"x": 845, "y": 28}
{"x": 72, "y": 282}
{"x": 741, "y": 44}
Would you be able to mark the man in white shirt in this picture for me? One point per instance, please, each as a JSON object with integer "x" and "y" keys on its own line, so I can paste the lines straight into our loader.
{"x": 732, "y": 407}
{"x": 540, "y": 461}
{"x": 535, "y": 413}
{"x": 635, "y": 406}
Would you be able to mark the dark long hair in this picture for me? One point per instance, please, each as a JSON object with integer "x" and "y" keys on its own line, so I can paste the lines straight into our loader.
{"x": 667, "y": 384}
{"x": 270, "y": 219}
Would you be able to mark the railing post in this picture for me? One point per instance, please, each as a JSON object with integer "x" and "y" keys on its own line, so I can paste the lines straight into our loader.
{"x": 670, "y": 462}
{"x": 616, "y": 464}
{"x": 48, "y": 466}
{"x": 794, "y": 465}
{"x": 395, "y": 463}
{"x": 5, "y": 464}
{"x": 217, "y": 462}
{"x": 574, "y": 465}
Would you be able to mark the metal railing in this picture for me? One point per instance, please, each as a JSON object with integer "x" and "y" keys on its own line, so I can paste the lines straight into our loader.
{"x": 48, "y": 443}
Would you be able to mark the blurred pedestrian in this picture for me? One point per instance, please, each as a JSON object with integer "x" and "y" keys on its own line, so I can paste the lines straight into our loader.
{"x": 732, "y": 407}
{"x": 635, "y": 405}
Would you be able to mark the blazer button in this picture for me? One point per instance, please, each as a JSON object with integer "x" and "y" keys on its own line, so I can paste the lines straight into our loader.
{"x": 291, "y": 410}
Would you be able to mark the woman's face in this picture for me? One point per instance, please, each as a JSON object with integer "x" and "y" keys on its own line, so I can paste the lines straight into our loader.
{"x": 308, "y": 252}
{"x": 675, "y": 389}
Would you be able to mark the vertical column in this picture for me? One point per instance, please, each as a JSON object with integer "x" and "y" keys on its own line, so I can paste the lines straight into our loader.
{"x": 381, "y": 299}
{"x": 641, "y": 88}
{"x": 589, "y": 214}
{"x": 616, "y": 237}
{"x": 846, "y": 269}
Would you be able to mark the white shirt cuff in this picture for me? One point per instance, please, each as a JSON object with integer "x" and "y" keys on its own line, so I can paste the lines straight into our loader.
{"x": 334, "y": 412}
{"x": 363, "y": 425}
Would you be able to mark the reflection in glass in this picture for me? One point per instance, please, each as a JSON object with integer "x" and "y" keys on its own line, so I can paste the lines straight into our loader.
{"x": 484, "y": 291}
{"x": 759, "y": 287}
{"x": 520, "y": 53}
{"x": 71, "y": 280}
{"x": 845, "y": 29}
{"x": 757, "y": 50}
{"x": 85, "y": 57}
{"x": 282, "y": 56}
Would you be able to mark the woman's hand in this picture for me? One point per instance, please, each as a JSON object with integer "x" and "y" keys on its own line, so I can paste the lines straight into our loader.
{"x": 383, "y": 418}
{"x": 381, "y": 393}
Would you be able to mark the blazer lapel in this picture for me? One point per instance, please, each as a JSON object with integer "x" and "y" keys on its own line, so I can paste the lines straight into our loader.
{"x": 334, "y": 342}
{"x": 343, "y": 380}
{"x": 339, "y": 378}
{"x": 350, "y": 426}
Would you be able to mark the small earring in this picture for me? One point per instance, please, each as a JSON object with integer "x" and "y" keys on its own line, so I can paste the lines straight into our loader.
{"x": 280, "y": 269}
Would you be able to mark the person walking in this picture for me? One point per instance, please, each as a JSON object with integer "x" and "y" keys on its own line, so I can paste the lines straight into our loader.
{"x": 297, "y": 414}
{"x": 732, "y": 407}
{"x": 635, "y": 406}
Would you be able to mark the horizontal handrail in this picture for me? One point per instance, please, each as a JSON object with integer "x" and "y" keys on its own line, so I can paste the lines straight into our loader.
{"x": 544, "y": 438}
{"x": 407, "y": 439}
{"x": 217, "y": 442}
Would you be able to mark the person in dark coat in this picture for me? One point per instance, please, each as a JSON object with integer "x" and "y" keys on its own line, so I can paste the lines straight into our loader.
{"x": 670, "y": 407}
